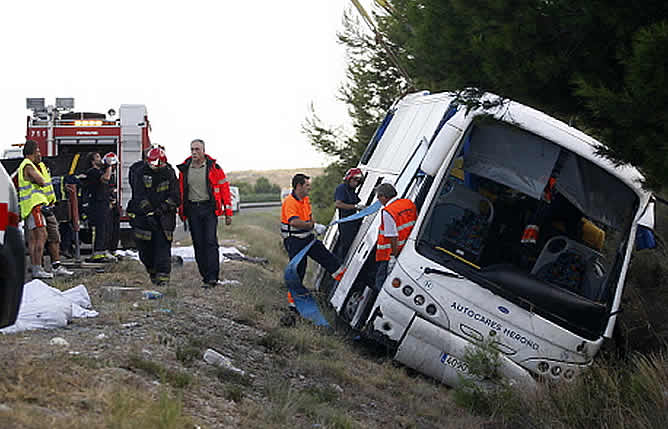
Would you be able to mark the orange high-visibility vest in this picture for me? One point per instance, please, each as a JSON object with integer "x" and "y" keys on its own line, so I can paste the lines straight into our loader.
{"x": 404, "y": 213}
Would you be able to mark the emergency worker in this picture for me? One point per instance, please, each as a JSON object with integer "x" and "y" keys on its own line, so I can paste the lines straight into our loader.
{"x": 397, "y": 222}
{"x": 297, "y": 228}
{"x": 99, "y": 203}
{"x": 31, "y": 201}
{"x": 52, "y": 233}
{"x": 205, "y": 195}
{"x": 348, "y": 203}
{"x": 152, "y": 212}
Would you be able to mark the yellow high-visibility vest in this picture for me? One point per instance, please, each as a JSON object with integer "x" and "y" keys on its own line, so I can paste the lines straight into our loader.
{"x": 30, "y": 194}
{"x": 47, "y": 189}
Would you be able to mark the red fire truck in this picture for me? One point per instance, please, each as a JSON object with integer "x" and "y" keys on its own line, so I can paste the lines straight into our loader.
{"x": 66, "y": 136}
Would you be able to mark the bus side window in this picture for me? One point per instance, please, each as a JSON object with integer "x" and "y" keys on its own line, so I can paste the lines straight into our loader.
{"x": 372, "y": 195}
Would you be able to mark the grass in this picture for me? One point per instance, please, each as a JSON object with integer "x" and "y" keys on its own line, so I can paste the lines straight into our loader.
{"x": 178, "y": 379}
{"x": 305, "y": 376}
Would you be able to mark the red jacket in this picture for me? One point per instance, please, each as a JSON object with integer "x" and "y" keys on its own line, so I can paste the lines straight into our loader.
{"x": 219, "y": 188}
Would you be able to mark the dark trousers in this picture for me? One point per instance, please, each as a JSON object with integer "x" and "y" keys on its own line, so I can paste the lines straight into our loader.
{"x": 347, "y": 233}
{"x": 203, "y": 224}
{"x": 66, "y": 236}
{"x": 156, "y": 255}
{"x": 100, "y": 218}
{"x": 113, "y": 230}
{"x": 318, "y": 253}
{"x": 381, "y": 274}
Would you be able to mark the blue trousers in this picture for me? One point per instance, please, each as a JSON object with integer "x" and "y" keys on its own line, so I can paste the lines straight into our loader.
{"x": 318, "y": 253}
{"x": 203, "y": 224}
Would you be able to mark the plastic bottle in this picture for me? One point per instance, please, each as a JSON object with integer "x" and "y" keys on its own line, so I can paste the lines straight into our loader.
{"x": 152, "y": 294}
{"x": 214, "y": 358}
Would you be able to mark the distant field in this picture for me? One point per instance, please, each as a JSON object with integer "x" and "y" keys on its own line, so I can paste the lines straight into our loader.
{"x": 280, "y": 177}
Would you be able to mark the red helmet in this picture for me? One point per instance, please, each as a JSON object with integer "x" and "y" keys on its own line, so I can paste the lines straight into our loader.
{"x": 156, "y": 157}
{"x": 353, "y": 173}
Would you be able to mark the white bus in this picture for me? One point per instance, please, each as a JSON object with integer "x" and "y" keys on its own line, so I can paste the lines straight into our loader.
{"x": 478, "y": 177}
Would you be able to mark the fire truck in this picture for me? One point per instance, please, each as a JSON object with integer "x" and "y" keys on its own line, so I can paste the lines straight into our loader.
{"x": 66, "y": 136}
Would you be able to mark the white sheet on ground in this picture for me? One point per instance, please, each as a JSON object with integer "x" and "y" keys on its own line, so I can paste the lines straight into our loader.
{"x": 188, "y": 253}
{"x": 185, "y": 252}
{"x": 45, "y": 307}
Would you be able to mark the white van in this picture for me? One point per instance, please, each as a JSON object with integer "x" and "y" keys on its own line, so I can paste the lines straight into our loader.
{"x": 478, "y": 177}
{"x": 236, "y": 198}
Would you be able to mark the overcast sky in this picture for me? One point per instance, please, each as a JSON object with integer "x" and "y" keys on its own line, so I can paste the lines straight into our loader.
{"x": 238, "y": 74}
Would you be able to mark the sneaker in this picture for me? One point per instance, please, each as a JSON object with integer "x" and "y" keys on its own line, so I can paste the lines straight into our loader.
{"x": 39, "y": 273}
{"x": 61, "y": 271}
{"x": 110, "y": 256}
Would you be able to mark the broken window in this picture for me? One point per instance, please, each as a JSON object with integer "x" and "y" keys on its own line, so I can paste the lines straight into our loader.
{"x": 533, "y": 221}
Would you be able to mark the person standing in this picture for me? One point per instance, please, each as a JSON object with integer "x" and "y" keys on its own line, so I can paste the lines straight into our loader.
{"x": 297, "y": 228}
{"x": 99, "y": 203}
{"x": 205, "y": 195}
{"x": 52, "y": 233}
{"x": 31, "y": 200}
{"x": 397, "y": 222}
{"x": 347, "y": 203}
{"x": 152, "y": 212}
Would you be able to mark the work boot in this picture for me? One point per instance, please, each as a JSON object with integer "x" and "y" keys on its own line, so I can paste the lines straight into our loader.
{"x": 39, "y": 273}
{"x": 289, "y": 319}
{"x": 210, "y": 284}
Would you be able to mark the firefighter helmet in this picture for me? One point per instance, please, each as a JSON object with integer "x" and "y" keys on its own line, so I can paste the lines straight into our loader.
{"x": 110, "y": 158}
{"x": 156, "y": 157}
{"x": 353, "y": 173}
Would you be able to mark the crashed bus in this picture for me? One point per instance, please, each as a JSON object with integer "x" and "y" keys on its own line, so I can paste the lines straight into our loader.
{"x": 481, "y": 177}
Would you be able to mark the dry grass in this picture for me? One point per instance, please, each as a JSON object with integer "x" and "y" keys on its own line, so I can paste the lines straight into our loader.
{"x": 296, "y": 377}
{"x": 281, "y": 177}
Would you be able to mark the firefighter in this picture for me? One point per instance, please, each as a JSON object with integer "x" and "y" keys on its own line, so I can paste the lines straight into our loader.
{"x": 397, "y": 222}
{"x": 297, "y": 228}
{"x": 348, "y": 203}
{"x": 205, "y": 195}
{"x": 152, "y": 211}
{"x": 31, "y": 200}
{"x": 99, "y": 203}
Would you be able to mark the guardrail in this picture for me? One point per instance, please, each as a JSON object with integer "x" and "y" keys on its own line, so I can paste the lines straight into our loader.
{"x": 264, "y": 204}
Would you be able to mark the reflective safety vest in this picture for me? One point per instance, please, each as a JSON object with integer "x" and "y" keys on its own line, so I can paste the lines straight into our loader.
{"x": 30, "y": 194}
{"x": 294, "y": 208}
{"x": 404, "y": 213}
{"x": 48, "y": 186}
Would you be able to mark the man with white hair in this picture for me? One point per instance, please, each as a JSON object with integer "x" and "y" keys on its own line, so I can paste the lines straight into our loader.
{"x": 397, "y": 222}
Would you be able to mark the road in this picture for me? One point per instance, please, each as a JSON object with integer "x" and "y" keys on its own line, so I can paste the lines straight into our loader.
{"x": 246, "y": 208}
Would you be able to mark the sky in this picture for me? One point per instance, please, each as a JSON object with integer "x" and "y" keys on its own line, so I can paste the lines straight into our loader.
{"x": 239, "y": 74}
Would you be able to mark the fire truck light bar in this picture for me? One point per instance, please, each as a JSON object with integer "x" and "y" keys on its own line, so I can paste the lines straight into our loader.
{"x": 87, "y": 123}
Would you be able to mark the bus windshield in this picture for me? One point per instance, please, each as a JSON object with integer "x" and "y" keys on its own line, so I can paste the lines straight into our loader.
{"x": 532, "y": 221}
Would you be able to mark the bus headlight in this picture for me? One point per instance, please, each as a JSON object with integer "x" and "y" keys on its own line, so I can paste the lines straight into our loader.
{"x": 418, "y": 300}
{"x": 407, "y": 290}
{"x": 431, "y": 309}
